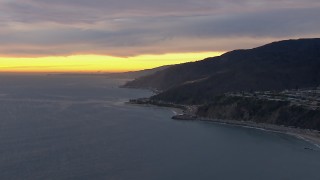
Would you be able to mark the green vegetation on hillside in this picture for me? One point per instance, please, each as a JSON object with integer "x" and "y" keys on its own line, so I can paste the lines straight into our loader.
{"x": 261, "y": 111}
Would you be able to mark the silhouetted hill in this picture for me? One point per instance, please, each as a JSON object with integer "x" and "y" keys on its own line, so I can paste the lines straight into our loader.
{"x": 138, "y": 74}
{"x": 122, "y": 75}
{"x": 280, "y": 65}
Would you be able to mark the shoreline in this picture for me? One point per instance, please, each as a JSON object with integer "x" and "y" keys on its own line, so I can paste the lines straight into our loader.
{"x": 181, "y": 113}
{"x": 307, "y": 135}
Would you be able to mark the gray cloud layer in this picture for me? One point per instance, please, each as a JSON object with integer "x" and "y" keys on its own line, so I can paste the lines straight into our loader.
{"x": 132, "y": 27}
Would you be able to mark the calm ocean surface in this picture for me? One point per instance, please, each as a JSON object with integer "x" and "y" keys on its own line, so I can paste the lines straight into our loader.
{"x": 64, "y": 127}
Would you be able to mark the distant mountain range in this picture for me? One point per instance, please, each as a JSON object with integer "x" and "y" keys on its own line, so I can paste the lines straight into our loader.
{"x": 121, "y": 75}
{"x": 280, "y": 65}
{"x": 138, "y": 74}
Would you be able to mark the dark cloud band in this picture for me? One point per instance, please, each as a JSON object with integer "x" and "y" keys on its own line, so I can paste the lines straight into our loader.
{"x": 127, "y": 28}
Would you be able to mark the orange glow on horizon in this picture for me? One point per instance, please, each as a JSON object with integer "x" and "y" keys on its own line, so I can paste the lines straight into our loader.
{"x": 97, "y": 63}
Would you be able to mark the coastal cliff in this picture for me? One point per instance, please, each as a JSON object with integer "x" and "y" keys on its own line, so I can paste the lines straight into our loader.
{"x": 261, "y": 111}
{"x": 275, "y": 87}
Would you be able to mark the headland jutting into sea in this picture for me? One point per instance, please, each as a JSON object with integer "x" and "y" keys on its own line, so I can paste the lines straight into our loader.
{"x": 242, "y": 109}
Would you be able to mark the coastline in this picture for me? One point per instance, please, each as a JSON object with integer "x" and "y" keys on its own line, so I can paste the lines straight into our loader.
{"x": 187, "y": 113}
{"x": 310, "y": 136}
{"x": 307, "y": 135}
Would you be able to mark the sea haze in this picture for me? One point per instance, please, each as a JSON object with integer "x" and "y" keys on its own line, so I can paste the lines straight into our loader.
{"x": 77, "y": 127}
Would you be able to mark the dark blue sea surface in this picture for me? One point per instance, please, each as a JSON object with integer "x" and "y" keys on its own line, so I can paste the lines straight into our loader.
{"x": 78, "y": 127}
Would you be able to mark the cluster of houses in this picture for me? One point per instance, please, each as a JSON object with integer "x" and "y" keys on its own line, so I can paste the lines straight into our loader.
{"x": 308, "y": 98}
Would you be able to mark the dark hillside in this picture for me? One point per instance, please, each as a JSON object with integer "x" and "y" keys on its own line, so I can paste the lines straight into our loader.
{"x": 276, "y": 66}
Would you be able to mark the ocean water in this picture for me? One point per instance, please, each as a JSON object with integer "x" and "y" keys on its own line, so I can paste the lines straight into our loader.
{"x": 77, "y": 127}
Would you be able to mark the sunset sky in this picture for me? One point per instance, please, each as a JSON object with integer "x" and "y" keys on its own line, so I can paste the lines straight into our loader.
{"x": 124, "y": 35}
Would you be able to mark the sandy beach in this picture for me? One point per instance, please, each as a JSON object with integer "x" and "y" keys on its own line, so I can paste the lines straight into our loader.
{"x": 311, "y": 136}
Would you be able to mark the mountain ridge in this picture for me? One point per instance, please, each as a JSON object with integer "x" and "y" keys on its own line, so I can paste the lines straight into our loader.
{"x": 279, "y": 65}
